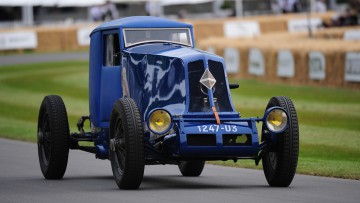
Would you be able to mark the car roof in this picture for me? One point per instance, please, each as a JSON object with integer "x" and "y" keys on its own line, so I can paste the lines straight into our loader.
{"x": 141, "y": 22}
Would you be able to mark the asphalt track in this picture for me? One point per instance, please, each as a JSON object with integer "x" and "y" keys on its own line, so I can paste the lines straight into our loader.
{"x": 90, "y": 180}
{"x": 44, "y": 57}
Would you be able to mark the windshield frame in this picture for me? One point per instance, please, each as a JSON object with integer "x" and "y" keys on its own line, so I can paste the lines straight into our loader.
{"x": 154, "y": 41}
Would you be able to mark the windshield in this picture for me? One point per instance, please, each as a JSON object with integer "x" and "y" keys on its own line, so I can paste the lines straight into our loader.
{"x": 143, "y": 35}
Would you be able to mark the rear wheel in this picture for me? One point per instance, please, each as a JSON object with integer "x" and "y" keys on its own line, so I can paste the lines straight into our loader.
{"x": 53, "y": 137}
{"x": 191, "y": 168}
{"x": 126, "y": 144}
{"x": 280, "y": 162}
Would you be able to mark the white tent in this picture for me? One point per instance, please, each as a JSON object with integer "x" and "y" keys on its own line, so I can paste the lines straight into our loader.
{"x": 63, "y": 3}
{"x": 28, "y": 2}
{"x": 27, "y": 5}
{"x": 178, "y": 2}
{"x": 79, "y": 3}
{"x": 85, "y": 3}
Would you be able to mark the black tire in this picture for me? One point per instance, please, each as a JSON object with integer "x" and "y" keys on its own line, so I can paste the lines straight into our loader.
{"x": 191, "y": 168}
{"x": 126, "y": 144}
{"x": 53, "y": 137}
{"x": 280, "y": 162}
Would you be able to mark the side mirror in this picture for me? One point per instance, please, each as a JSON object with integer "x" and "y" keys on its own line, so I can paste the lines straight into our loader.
{"x": 233, "y": 86}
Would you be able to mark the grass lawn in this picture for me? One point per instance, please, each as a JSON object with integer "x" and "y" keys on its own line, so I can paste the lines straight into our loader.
{"x": 329, "y": 118}
{"x": 329, "y": 125}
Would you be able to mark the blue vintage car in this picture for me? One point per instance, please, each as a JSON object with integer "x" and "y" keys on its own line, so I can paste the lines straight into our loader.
{"x": 156, "y": 99}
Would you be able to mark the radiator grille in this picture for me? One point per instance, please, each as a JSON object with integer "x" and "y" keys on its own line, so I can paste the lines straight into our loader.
{"x": 201, "y": 139}
{"x": 237, "y": 139}
{"x": 199, "y": 100}
{"x": 220, "y": 90}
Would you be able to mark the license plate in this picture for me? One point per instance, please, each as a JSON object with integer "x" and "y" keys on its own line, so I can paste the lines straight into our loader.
{"x": 216, "y": 128}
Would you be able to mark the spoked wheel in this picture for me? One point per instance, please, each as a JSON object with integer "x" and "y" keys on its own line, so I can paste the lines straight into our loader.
{"x": 191, "y": 168}
{"x": 53, "y": 137}
{"x": 126, "y": 144}
{"x": 280, "y": 162}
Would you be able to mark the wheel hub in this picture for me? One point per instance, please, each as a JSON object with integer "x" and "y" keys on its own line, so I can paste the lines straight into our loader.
{"x": 40, "y": 136}
{"x": 112, "y": 144}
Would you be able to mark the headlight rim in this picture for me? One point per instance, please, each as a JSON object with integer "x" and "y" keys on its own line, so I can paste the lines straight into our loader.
{"x": 268, "y": 111}
{"x": 164, "y": 131}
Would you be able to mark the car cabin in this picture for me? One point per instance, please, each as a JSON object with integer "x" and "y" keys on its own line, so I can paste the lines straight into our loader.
{"x": 107, "y": 43}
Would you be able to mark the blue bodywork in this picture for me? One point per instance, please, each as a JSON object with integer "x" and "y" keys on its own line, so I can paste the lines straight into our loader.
{"x": 163, "y": 76}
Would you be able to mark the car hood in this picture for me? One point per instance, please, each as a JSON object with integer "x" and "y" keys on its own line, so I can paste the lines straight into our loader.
{"x": 159, "y": 75}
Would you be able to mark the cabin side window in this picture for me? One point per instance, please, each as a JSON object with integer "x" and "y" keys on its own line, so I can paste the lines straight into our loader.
{"x": 111, "y": 52}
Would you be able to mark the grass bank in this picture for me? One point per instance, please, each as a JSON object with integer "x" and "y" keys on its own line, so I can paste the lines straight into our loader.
{"x": 329, "y": 118}
{"x": 329, "y": 125}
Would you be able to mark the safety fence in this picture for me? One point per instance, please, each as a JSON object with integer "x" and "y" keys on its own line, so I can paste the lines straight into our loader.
{"x": 294, "y": 58}
{"x": 271, "y": 48}
{"x": 77, "y": 36}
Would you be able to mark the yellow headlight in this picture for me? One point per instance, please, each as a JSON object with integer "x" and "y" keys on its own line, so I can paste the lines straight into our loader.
{"x": 276, "y": 120}
{"x": 159, "y": 121}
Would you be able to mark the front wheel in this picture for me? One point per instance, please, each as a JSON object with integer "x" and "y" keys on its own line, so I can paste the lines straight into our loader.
{"x": 280, "y": 161}
{"x": 53, "y": 137}
{"x": 191, "y": 168}
{"x": 126, "y": 144}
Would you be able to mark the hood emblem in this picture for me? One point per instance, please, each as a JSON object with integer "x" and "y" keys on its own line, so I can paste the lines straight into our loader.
{"x": 207, "y": 79}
